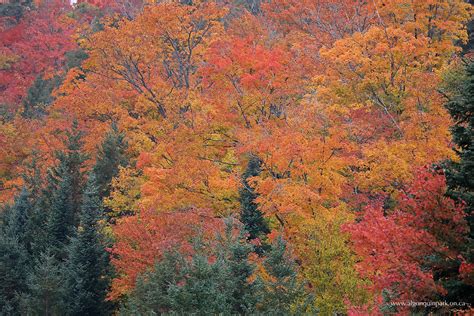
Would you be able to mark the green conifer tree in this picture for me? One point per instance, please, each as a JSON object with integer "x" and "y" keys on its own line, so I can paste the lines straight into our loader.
{"x": 240, "y": 269}
{"x": 35, "y": 227}
{"x": 152, "y": 290}
{"x": 13, "y": 252}
{"x": 45, "y": 288}
{"x": 250, "y": 215}
{"x": 460, "y": 176}
{"x": 39, "y": 96}
{"x": 87, "y": 266}
{"x": 15, "y": 9}
{"x": 13, "y": 264}
{"x": 16, "y": 224}
{"x": 110, "y": 156}
{"x": 15, "y": 245}
{"x": 282, "y": 293}
{"x": 214, "y": 281}
{"x": 65, "y": 185}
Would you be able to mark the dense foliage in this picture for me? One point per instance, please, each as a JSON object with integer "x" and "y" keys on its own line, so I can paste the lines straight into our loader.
{"x": 236, "y": 157}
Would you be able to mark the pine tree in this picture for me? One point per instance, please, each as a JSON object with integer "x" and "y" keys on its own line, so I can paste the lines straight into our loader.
{"x": 36, "y": 230}
{"x": 18, "y": 216}
{"x": 32, "y": 175}
{"x": 13, "y": 264}
{"x": 250, "y": 215}
{"x": 39, "y": 96}
{"x": 35, "y": 227}
{"x": 13, "y": 252}
{"x": 281, "y": 292}
{"x": 152, "y": 290}
{"x": 215, "y": 280}
{"x": 460, "y": 176}
{"x": 15, "y": 246}
{"x": 65, "y": 188}
{"x": 87, "y": 266}
{"x": 15, "y": 9}
{"x": 204, "y": 287}
{"x": 45, "y": 288}
{"x": 61, "y": 219}
{"x": 110, "y": 156}
{"x": 243, "y": 296}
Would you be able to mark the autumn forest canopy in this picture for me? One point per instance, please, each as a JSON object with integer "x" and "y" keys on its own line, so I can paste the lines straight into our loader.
{"x": 280, "y": 157}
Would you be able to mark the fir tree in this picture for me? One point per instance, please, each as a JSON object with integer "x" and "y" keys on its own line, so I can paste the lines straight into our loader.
{"x": 215, "y": 280}
{"x": 281, "y": 293}
{"x": 15, "y": 9}
{"x": 13, "y": 252}
{"x": 250, "y": 215}
{"x": 460, "y": 176}
{"x": 110, "y": 156}
{"x": 15, "y": 246}
{"x": 16, "y": 224}
{"x": 35, "y": 227}
{"x": 32, "y": 175}
{"x": 152, "y": 291}
{"x": 39, "y": 96}
{"x": 87, "y": 266}
{"x": 204, "y": 287}
{"x": 45, "y": 288}
{"x": 13, "y": 264}
{"x": 65, "y": 188}
{"x": 36, "y": 230}
{"x": 61, "y": 219}
{"x": 243, "y": 297}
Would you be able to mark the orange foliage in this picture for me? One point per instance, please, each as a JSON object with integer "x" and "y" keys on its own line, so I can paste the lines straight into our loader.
{"x": 143, "y": 238}
{"x": 338, "y": 99}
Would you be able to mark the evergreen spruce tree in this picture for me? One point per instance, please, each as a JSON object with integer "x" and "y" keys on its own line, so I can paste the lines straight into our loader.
{"x": 460, "y": 175}
{"x": 206, "y": 287}
{"x": 87, "y": 267}
{"x": 214, "y": 281}
{"x": 32, "y": 175}
{"x": 15, "y": 246}
{"x": 15, "y": 9}
{"x": 13, "y": 264}
{"x": 75, "y": 58}
{"x": 35, "y": 227}
{"x": 152, "y": 291}
{"x": 60, "y": 224}
{"x": 16, "y": 224}
{"x": 45, "y": 288}
{"x": 250, "y": 215}
{"x": 179, "y": 285}
{"x": 13, "y": 252}
{"x": 281, "y": 293}
{"x": 110, "y": 156}
{"x": 65, "y": 184}
{"x": 39, "y": 96}
{"x": 36, "y": 231}
{"x": 243, "y": 292}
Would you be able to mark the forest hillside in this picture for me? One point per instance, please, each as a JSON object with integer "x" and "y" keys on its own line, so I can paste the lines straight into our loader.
{"x": 280, "y": 157}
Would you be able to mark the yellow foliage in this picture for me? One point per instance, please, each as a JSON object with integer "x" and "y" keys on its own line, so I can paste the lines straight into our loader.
{"x": 125, "y": 192}
{"x": 384, "y": 81}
